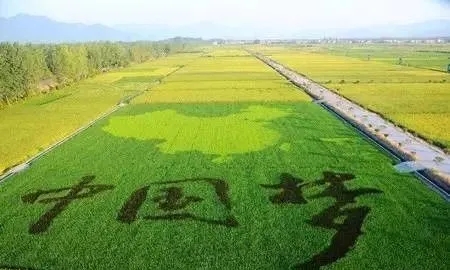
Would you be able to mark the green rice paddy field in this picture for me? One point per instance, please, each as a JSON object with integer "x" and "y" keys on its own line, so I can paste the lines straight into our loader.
{"x": 224, "y": 165}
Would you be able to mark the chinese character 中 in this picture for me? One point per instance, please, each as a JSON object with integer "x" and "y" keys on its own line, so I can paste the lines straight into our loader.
{"x": 81, "y": 190}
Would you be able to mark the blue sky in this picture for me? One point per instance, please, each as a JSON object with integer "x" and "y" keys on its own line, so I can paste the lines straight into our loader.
{"x": 249, "y": 13}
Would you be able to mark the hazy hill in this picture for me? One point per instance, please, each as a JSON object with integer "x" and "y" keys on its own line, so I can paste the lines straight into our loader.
{"x": 205, "y": 30}
{"x": 208, "y": 30}
{"x": 27, "y": 28}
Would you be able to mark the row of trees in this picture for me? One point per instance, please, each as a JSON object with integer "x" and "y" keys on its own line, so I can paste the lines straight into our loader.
{"x": 23, "y": 67}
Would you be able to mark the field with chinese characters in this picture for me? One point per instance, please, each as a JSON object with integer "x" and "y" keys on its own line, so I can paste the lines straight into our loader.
{"x": 223, "y": 165}
{"x": 413, "y": 92}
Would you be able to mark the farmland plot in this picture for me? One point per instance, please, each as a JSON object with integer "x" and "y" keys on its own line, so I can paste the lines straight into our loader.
{"x": 223, "y": 79}
{"x": 203, "y": 183}
{"x": 417, "y": 99}
{"x": 27, "y": 128}
{"x": 426, "y": 56}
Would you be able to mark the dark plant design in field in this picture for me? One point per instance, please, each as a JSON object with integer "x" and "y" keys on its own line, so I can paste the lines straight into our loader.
{"x": 176, "y": 201}
{"x": 81, "y": 190}
{"x": 291, "y": 190}
{"x": 13, "y": 267}
{"x": 347, "y": 232}
{"x": 10, "y": 267}
{"x": 172, "y": 204}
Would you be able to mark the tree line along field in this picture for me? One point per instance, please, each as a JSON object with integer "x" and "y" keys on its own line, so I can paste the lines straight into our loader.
{"x": 190, "y": 177}
{"x": 414, "y": 98}
{"x": 28, "y": 69}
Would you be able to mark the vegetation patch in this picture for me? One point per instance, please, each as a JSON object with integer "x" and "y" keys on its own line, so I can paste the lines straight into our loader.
{"x": 239, "y": 133}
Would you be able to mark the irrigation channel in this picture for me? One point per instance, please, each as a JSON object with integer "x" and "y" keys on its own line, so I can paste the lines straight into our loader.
{"x": 429, "y": 163}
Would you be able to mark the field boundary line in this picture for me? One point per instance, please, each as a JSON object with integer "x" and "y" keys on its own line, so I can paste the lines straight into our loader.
{"x": 123, "y": 102}
{"x": 398, "y": 142}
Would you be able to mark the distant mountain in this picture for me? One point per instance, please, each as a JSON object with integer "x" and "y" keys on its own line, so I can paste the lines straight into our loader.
{"x": 205, "y": 30}
{"x": 208, "y": 30}
{"x": 27, "y": 28}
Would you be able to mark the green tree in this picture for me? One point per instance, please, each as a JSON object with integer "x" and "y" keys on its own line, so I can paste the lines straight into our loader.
{"x": 13, "y": 79}
{"x": 166, "y": 49}
{"x": 23, "y": 67}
